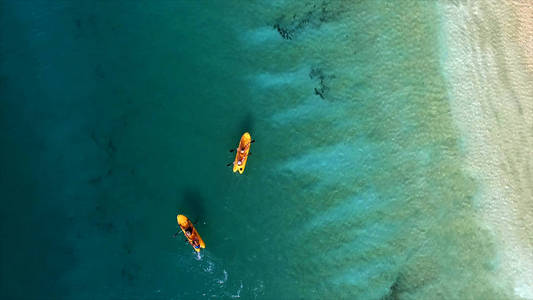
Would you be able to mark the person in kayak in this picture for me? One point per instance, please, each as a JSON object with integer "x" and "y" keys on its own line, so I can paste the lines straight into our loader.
{"x": 189, "y": 235}
{"x": 241, "y": 154}
{"x": 188, "y": 232}
{"x": 195, "y": 244}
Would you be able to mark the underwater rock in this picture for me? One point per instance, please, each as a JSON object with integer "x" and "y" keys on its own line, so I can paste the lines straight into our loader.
{"x": 285, "y": 33}
{"x": 322, "y": 89}
{"x": 394, "y": 292}
{"x": 130, "y": 271}
{"x": 288, "y": 27}
{"x": 108, "y": 147}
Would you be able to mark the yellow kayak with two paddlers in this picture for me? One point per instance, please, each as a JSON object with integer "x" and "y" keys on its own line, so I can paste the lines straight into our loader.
{"x": 190, "y": 233}
{"x": 243, "y": 151}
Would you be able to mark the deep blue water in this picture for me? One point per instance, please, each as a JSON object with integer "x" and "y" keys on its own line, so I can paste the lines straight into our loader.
{"x": 115, "y": 116}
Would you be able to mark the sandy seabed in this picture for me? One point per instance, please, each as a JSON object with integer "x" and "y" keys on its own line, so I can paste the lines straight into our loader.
{"x": 488, "y": 63}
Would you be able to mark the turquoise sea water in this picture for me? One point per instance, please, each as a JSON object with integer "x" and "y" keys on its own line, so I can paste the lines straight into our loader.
{"x": 115, "y": 116}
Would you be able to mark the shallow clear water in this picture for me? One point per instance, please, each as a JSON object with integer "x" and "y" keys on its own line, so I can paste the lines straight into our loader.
{"x": 115, "y": 117}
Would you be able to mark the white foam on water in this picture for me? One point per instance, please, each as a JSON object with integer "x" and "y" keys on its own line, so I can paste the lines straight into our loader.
{"x": 224, "y": 279}
{"x": 197, "y": 255}
{"x": 238, "y": 294}
{"x": 209, "y": 267}
{"x": 258, "y": 289}
{"x": 524, "y": 290}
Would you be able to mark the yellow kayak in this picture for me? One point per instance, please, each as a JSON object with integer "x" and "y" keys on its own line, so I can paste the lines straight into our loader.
{"x": 242, "y": 153}
{"x": 190, "y": 233}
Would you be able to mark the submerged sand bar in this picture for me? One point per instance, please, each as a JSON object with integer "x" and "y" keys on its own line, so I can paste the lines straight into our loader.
{"x": 488, "y": 63}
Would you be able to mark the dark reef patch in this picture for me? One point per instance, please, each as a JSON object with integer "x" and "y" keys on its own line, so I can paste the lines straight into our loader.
{"x": 318, "y": 75}
{"x": 313, "y": 16}
{"x": 106, "y": 144}
{"x": 109, "y": 148}
{"x": 130, "y": 271}
{"x": 394, "y": 291}
{"x": 284, "y": 32}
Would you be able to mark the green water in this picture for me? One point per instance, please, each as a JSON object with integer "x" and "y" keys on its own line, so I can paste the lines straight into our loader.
{"x": 117, "y": 116}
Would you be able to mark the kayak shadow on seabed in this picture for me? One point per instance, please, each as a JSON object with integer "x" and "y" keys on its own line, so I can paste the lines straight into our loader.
{"x": 192, "y": 204}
